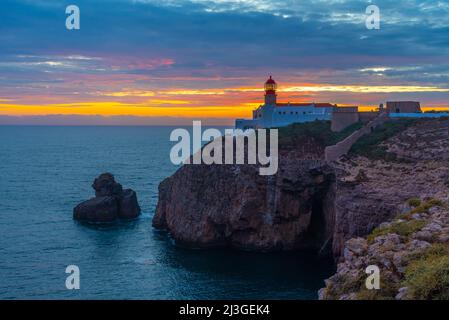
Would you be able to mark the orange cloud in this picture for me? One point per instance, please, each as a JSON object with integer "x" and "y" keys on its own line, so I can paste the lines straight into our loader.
{"x": 237, "y": 102}
{"x": 127, "y": 93}
{"x": 117, "y": 108}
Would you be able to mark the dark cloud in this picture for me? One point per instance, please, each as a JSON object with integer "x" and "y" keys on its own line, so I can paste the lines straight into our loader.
{"x": 227, "y": 38}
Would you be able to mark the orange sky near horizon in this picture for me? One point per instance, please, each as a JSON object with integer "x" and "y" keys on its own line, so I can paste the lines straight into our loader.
{"x": 201, "y": 103}
{"x": 188, "y": 103}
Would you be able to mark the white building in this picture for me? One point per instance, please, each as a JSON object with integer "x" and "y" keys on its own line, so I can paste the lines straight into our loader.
{"x": 274, "y": 114}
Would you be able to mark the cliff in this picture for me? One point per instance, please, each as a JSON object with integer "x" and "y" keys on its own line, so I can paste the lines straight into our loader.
{"x": 401, "y": 160}
{"x": 411, "y": 252}
{"x": 310, "y": 203}
{"x": 409, "y": 176}
{"x": 232, "y": 205}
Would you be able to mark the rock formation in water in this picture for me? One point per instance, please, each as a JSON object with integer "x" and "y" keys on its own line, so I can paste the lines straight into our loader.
{"x": 110, "y": 203}
{"x": 309, "y": 203}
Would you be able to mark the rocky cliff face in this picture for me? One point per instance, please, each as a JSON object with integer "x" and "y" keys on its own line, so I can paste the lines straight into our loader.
{"x": 308, "y": 204}
{"x": 411, "y": 252}
{"x": 232, "y": 205}
{"x": 412, "y": 194}
{"x": 371, "y": 191}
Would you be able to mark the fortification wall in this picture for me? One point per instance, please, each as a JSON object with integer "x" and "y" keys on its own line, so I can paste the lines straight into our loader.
{"x": 366, "y": 117}
{"x": 403, "y": 106}
{"x": 342, "y": 119}
{"x": 332, "y": 153}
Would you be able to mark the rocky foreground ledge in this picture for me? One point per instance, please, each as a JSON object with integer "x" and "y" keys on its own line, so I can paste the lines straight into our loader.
{"x": 111, "y": 202}
{"x": 412, "y": 253}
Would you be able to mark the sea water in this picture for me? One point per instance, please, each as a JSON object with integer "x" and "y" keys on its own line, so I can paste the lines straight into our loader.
{"x": 46, "y": 171}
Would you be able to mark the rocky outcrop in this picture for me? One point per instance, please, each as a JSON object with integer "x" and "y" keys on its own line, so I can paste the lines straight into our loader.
{"x": 412, "y": 193}
{"x": 411, "y": 252}
{"x": 98, "y": 209}
{"x": 372, "y": 191}
{"x": 111, "y": 202}
{"x": 309, "y": 203}
{"x": 232, "y": 205}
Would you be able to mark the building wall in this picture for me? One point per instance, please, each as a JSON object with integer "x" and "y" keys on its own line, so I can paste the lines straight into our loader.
{"x": 269, "y": 116}
{"x": 244, "y": 124}
{"x": 283, "y": 116}
{"x": 270, "y": 98}
{"x": 403, "y": 107}
{"x": 419, "y": 115}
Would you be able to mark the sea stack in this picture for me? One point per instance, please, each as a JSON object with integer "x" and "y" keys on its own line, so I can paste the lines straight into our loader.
{"x": 111, "y": 202}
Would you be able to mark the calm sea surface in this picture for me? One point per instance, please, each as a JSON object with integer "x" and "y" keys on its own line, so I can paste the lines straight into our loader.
{"x": 46, "y": 171}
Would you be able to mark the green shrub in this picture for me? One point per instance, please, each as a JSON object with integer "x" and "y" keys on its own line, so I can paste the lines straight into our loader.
{"x": 387, "y": 291}
{"x": 376, "y": 233}
{"x": 404, "y": 229}
{"x": 319, "y": 130}
{"x": 405, "y": 216}
{"x": 427, "y": 277}
{"x": 414, "y": 202}
{"x": 430, "y": 203}
{"x": 345, "y": 284}
{"x": 407, "y": 228}
{"x": 369, "y": 144}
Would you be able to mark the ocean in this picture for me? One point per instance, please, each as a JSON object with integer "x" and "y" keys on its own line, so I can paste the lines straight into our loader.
{"x": 46, "y": 171}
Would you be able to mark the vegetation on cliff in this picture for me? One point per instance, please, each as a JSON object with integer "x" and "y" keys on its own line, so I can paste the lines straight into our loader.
{"x": 427, "y": 275}
{"x": 412, "y": 253}
{"x": 371, "y": 145}
{"x": 319, "y": 130}
{"x": 402, "y": 228}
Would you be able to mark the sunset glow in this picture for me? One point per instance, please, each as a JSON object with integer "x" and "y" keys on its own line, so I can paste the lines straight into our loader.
{"x": 166, "y": 64}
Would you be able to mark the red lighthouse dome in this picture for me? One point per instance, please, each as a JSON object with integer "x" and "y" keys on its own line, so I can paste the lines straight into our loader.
{"x": 270, "y": 86}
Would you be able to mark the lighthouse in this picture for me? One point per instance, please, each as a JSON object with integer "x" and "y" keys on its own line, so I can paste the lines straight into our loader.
{"x": 273, "y": 114}
{"x": 270, "y": 91}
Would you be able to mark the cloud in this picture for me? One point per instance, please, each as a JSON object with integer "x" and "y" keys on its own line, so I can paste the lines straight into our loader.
{"x": 219, "y": 52}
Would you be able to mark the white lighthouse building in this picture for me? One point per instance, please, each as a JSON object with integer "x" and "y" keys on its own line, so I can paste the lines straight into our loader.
{"x": 274, "y": 114}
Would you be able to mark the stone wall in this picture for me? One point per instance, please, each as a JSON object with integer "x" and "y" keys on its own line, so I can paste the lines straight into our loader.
{"x": 366, "y": 117}
{"x": 334, "y": 152}
{"x": 403, "y": 107}
{"x": 343, "y": 117}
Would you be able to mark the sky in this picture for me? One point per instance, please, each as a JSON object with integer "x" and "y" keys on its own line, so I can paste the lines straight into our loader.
{"x": 171, "y": 61}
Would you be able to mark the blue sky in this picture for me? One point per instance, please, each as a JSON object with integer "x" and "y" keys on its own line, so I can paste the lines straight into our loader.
{"x": 141, "y": 56}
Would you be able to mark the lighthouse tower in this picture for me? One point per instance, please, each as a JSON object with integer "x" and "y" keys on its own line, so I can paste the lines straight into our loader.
{"x": 270, "y": 91}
